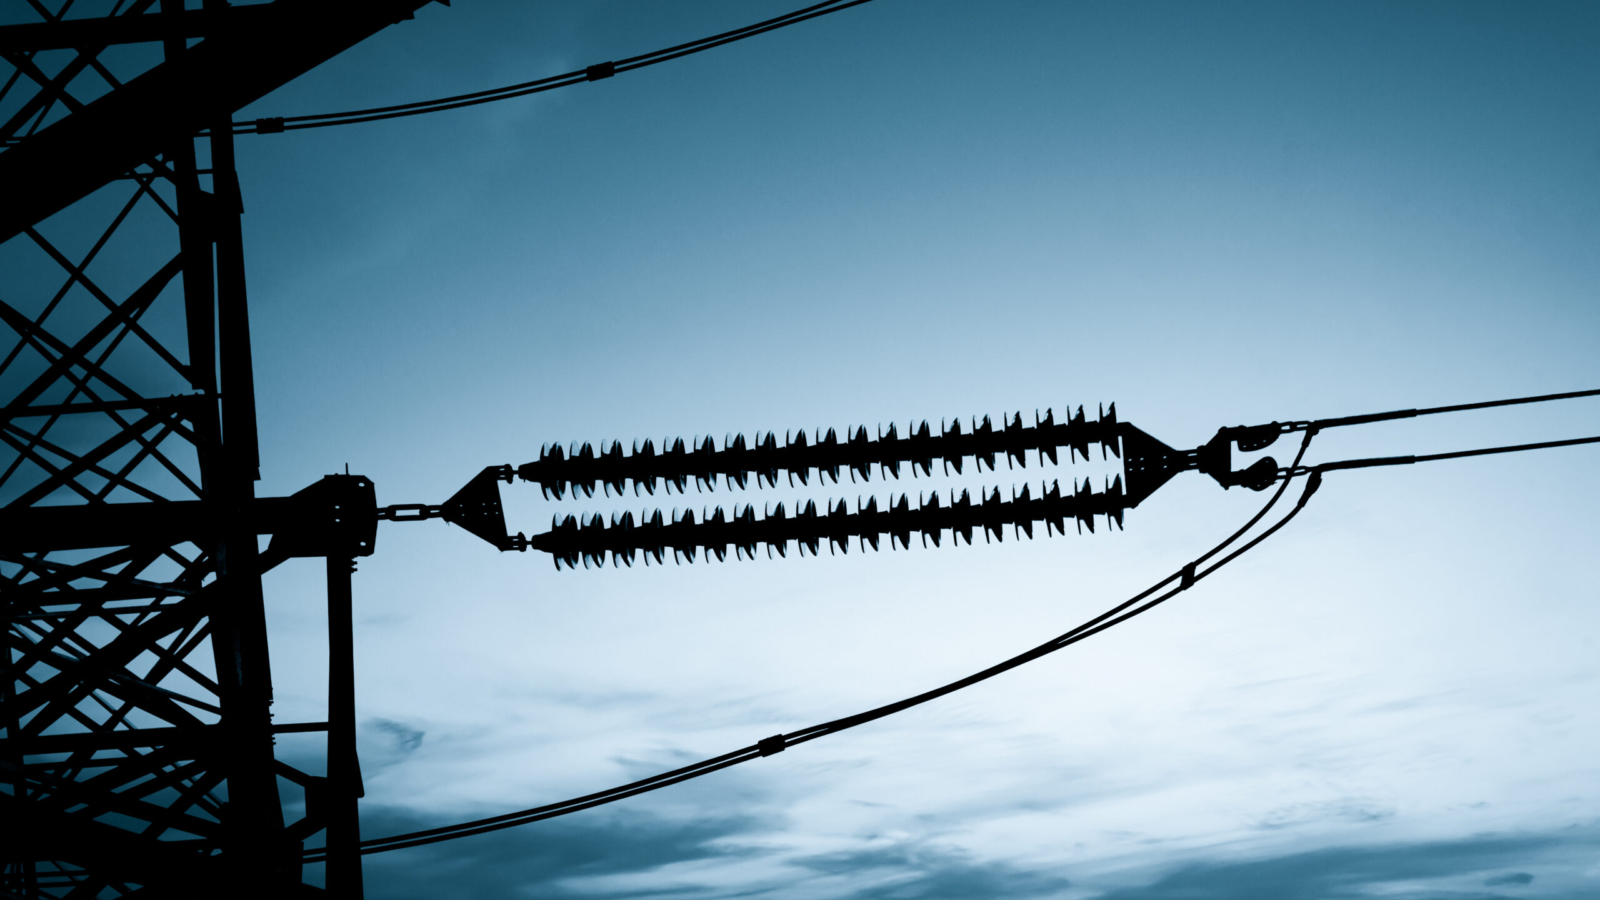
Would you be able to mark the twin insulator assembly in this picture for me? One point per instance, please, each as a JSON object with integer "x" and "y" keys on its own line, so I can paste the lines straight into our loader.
{"x": 828, "y": 455}
{"x": 1146, "y": 465}
{"x": 573, "y": 539}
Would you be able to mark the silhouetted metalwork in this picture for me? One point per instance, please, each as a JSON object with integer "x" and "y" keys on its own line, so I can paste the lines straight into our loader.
{"x": 138, "y": 740}
{"x": 1147, "y": 464}
{"x": 591, "y": 539}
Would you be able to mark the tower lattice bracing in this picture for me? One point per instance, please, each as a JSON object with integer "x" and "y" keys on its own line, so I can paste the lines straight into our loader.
{"x": 136, "y": 727}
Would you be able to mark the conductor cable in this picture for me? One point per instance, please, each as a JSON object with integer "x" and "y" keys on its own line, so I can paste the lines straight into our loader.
{"x": 1434, "y": 457}
{"x": 1370, "y": 418}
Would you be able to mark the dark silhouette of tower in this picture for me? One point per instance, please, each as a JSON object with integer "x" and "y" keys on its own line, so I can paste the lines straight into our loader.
{"x": 138, "y": 736}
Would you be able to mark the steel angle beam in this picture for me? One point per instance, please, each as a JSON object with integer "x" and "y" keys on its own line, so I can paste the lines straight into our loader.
{"x": 199, "y": 88}
{"x": 127, "y": 29}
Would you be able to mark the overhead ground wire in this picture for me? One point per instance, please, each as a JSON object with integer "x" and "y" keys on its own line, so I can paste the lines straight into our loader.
{"x": 274, "y": 124}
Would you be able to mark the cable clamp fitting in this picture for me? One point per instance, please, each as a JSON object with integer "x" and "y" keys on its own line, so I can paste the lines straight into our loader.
{"x": 771, "y": 745}
{"x": 410, "y": 512}
{"x": 1188, "y": 578}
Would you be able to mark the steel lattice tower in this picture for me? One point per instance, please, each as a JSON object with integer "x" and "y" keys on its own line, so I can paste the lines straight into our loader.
{"x": 136, "y": 730}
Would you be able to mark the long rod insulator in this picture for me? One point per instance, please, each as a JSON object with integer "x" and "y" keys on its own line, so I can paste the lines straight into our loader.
{"x": 677, "y": 463}
{"x": 576, "y": 539}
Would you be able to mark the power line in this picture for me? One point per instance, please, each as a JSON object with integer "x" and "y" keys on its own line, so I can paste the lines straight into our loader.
{"x": 1435, "y": 457}
{"x": 1369, "y": 418}
{"x": 272, "y": 125}
{"x": 1186, "y": 577}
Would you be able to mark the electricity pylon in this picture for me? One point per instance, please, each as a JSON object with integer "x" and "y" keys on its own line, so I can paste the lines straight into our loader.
{"x": 136, "y": 728}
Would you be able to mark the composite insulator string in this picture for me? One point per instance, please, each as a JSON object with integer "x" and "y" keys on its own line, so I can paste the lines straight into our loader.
{"x": 1140, "y": 603}
{"x": 857, "y": 453}
{"x": 590, "y": 539}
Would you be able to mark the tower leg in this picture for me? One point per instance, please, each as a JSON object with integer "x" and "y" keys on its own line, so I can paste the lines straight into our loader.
{"x": 344, "y": 769}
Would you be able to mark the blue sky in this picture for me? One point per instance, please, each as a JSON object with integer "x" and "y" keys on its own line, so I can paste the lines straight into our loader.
{"x": 1212, "y": 214}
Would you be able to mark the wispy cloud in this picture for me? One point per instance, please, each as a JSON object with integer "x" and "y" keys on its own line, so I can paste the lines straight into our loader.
{"x": 1422, "y": 871}
{"x": 1347, "y": 809}
{"x": 565, "y": 858}
{"x": 915, "y": 870}
{"x": 402, "y": 737}
{"x": 676, "y": 853}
